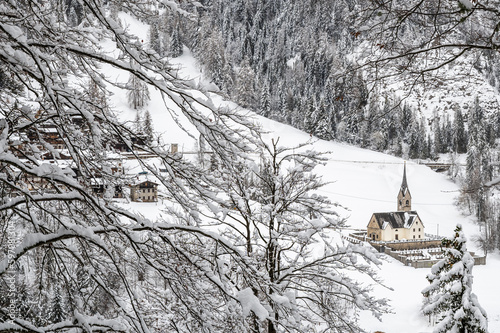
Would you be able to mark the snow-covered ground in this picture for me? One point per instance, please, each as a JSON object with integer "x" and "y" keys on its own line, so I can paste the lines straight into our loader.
{"x": 363, "y": 182}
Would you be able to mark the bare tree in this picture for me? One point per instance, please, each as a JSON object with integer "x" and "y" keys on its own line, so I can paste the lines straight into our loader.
{"x": 274, "y": 212}
{"x": 55, "y": 209}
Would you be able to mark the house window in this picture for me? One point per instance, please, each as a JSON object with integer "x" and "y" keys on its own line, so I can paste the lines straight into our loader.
{"x": 413, "y": 229}
{"x": 413, "y": 236}
{"x": 396, "y": 236}
{"x": 418, "y": 229}
{"x": 418, "y": 236}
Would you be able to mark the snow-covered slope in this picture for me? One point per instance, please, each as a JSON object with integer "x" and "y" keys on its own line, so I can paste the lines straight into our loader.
{"x": 363, "y": 182}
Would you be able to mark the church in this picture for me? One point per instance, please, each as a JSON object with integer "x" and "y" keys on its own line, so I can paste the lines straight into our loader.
{"x": 400, "y": 225}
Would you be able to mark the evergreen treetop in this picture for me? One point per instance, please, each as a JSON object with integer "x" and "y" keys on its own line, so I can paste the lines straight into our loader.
{"x": 449, "y": 296}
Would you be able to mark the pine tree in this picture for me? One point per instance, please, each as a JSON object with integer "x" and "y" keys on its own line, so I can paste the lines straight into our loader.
{"x": 57, "y": 311}
{"x": 459, "y": 134}
{"x": 309, "y": 125}
{"x": 137, "y": 126}
{"x": 438, "y": 144}
{"x": 138, "y": 93}
{"x": 97, "y": 97}
{"x": 323, "y": 125}
{"x": 478, "y": 169}
{"x": 265, "y": 102}
{"x": 74, "y": 12}
{"x": 154, "y": 36}
{"x": 449, "y": 296}
{"x": 175, "y": 47}
{"x": 147, "y": 126}
{"x": 213, "y": 58}
{"x": 245, "y": 90}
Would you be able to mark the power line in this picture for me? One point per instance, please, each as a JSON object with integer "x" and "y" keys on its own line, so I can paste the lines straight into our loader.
{"x": 365, "y": 162}
{"x": 387, "y": 201}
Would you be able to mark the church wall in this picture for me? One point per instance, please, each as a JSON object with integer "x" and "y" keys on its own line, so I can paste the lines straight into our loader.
{"x": 373, "y": 231}
{"x": 417, "y": 230}
{"x": 388, "y": 233}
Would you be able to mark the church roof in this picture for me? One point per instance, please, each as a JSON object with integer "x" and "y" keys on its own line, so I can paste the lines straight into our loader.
{"x": 397, "y": 220}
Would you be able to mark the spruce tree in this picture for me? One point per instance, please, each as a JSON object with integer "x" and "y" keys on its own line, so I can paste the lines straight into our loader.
{"x": 138, "y": 93}
{"x": 57, "y": 311}
{"x": 154, "y": 36}
{"x": 175, "y": 49}
{"x": 265, "y": 102}
{"x": 245, "y": 90}
{"x": 137, "y": 126}
{"x": 478, "y": 169}
{"x": 459, "y": 134}
{"x": 449, "y": 296}
{"x": 147, "y": 126}
{"x": 323, "y": 125}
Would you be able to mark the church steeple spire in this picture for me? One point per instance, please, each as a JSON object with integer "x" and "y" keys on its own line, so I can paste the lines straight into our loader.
{"x": 404, "y": 196}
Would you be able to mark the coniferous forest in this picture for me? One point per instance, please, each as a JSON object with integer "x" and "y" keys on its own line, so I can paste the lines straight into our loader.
{"x": 296, "y": 63}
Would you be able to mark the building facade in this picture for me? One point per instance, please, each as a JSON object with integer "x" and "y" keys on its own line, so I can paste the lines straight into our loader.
{"x": 146, "y": 191}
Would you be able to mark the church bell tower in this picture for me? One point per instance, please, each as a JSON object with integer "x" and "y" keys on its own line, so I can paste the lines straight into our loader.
{"x": 404, "y": 196}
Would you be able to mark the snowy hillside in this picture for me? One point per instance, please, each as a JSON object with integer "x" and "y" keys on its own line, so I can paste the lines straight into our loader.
{"x": 140, "y": 194}
{"x": 363, "y": 182}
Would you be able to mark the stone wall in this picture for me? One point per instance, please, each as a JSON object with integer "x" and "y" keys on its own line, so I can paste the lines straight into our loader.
{"x": 414, "y": 244}
{"x": 390, "y": 249}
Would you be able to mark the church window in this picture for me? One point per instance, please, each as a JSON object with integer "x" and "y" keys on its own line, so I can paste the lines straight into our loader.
{"x": 413, "y": 229}
{"x": 407, "y": 202}
{"x": 396, "y": 236}
{"x": 418, "y": 229}
{"x": 413, "y": 236}
{"x": 419, "y": 236}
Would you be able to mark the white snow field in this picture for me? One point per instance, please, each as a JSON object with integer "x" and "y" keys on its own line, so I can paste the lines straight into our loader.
{"x": 363, "y": 182}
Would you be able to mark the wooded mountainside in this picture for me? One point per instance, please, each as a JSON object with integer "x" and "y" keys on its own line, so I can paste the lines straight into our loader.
{"x": 414, "y": 80}
{"x": 300, "y": 63}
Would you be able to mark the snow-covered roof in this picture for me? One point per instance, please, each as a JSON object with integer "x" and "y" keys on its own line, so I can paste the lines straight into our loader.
{"x": 143, "y": 178}
{"x": 397, "y": 220}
